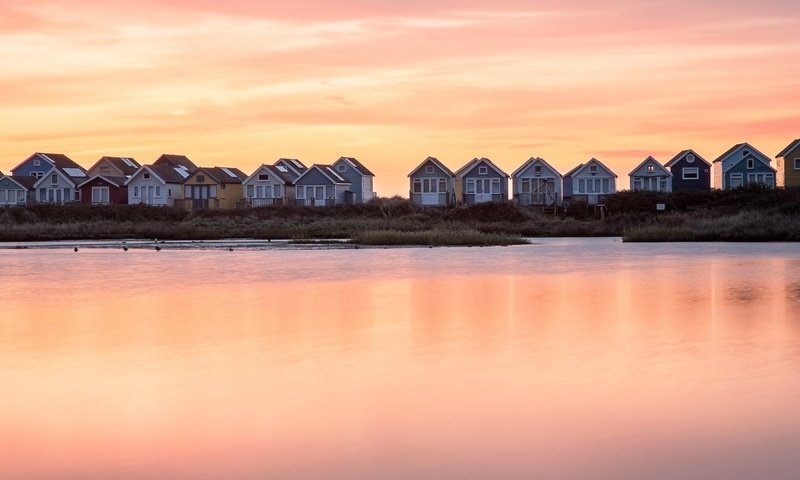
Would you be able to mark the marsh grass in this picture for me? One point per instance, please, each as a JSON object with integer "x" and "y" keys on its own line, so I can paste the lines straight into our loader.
{"x": 745, "y": 226}
{"x": 750, "y": 214}
{"x": 438, "y": 237}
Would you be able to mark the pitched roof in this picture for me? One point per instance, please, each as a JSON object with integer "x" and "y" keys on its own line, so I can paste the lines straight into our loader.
{"x": 176, "y": 161}
{"x": 789, "y": 148}
{"x": 113, "y": 180}
{"x": 682, "y": 154}
{"x": 729, "y": 151}
{"x": 285, "y": 176}
{"x": 474, "y": 162}
{"x": 55, "y": 159}
{"x": 650, "y": 159}
{"x": 569, "y": 174}
{"x": 294, "y": 164}
{"x": 357, "y": 165}
{"x": 225, "y": 174}
{"x": 24, "y": 181}
{"x": 436, "y": 162}
{"x": 532, "y": 160}
{"x": 584, "y": 165}
{"x": 753, "y": 151}
{"x": 326, "y": 170}
{"x": 126, "y": 165}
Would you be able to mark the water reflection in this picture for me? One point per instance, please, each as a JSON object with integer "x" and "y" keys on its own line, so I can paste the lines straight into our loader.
{"x": 568, "y": 359}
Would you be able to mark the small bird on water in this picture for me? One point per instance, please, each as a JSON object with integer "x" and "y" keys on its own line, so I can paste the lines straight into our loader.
{"x": 75, "y": 249}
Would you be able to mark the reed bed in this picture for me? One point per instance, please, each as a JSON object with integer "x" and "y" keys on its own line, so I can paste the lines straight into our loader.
{"x": 436, "y": 238}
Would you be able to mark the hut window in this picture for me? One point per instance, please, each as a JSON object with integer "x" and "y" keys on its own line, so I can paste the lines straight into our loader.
{"x": 136, "y": 191}
{"x": 158, "y": 191}
{"x": 341, "y": 167}
{"x": 250, "y": 191}
{"x": 662, "y": 185}
{"x": 581, "y": 185}
{"x": 482, "y": 170}
{"x": 736, "y": 180}
{"x": 263, "y": 177}
{"x": 750, "y": 164}
{"x": 690, "y": 158}
{"x": 495, "y": 185}
{"x": 651, "y": 168}
{"x": 470, "y": 185}
{"x": 429, "y": 169}
{"x": 200, "y": 178}
{"x": 692, "y": 173}
{"x": 146, "y": 176}
{"x": 537, "y": 169}
{"x": 593, "y": 168}
{"x": 797, "y": 163}
{"x": 442, "y": 185}
{"x": 606, "y": 185}
{"x": 169, "y": 193}
{"x": 54, "y": 179}
{"x": 417, "y": 185}
{"x": 37, "y": 162}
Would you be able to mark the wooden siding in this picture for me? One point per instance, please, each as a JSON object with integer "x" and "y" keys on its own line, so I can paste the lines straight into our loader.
{"x": 789, "y": 176}
{"x": 116, "y": 195}
{"x": 679, "y": 184}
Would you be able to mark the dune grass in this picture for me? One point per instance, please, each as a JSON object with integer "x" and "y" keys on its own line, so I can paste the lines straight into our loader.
{"x": 436, "y": 238}
{"x": 745, "y": 226}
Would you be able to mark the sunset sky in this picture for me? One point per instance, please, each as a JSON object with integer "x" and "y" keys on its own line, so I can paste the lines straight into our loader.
{"x": 243, "y": 82}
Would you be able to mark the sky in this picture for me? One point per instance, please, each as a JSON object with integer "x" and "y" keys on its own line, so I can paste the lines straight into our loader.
{"x": 244, "y": 82}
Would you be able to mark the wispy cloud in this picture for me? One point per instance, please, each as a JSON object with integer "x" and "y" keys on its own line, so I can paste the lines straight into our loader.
{"x": 395, "y": 81}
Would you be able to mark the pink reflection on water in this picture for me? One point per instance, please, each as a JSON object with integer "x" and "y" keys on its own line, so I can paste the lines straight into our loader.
{"x": 383, "y": 364}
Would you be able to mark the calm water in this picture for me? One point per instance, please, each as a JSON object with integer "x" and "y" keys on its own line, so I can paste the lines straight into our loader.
{"x": 569, "y": 359}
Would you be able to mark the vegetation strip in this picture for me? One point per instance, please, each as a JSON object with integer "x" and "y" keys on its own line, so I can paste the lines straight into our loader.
{"x": 747, "y": 214}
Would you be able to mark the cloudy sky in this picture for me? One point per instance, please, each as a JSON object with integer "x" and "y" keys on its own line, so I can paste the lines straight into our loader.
{"x": 243, "y": 82}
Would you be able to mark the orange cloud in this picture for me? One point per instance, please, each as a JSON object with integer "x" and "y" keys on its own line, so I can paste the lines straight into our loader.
{"x": 392, "y": 83}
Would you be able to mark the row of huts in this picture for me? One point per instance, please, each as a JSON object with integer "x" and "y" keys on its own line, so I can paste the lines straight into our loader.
{"x": 174, "y": 180}
{"x": 537, "y": 183}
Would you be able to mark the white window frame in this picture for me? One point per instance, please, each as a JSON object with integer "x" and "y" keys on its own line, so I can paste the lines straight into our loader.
{"x": 265, "y": 179}
{"x": 593, "y": 168}
{"x": 797, "y": 163}
{"x": 686, "y": 170}
{"x": 54, "y": 179}
{"x": 37, "y": 162}
{"x": 751, "y": 163}
{"x": 650, "y": 168}
{"x": 146, "y": 176}
{"x": 483, "y": 170}
{"x": 341, "y": 167}
{"x": 690, "y": 158}
{"x": 496, "y": 186}
{"x": 735, "y": 176}
{"x": 158, "y": 191}
{"x": 428, "y": 168}
{"x": 136, "y": 191}
{"x": 98, "y": 194}
{"x": 470, "y": 188}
